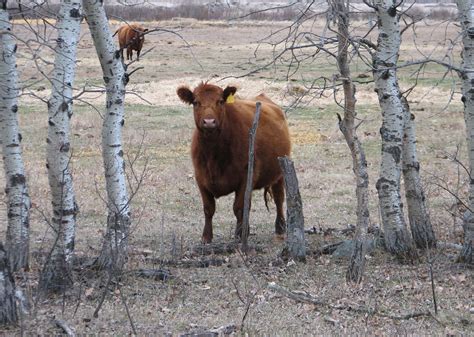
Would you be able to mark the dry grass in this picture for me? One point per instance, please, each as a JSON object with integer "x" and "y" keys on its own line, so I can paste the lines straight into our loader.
{"x": 168, "y": 216}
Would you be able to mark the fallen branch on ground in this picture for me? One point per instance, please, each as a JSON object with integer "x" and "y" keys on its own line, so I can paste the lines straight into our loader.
{"x": 305, "y": 297}
{"x": 65, "y": 327}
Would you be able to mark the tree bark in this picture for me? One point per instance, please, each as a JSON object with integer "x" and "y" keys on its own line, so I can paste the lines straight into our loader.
{"x": 18, "y": 204}
{"x": 56, "y": 272}
{"x": 420, "y": 223}
{"x": 466, "y": 17}
{"x": 249, "y": 185}
{"x": 114, "y": 250}
{"x": 397, "y": 238}
{"x": 347, "y": 126}
{"x": 8, "y": 310}
{"x": 295, "y": 243}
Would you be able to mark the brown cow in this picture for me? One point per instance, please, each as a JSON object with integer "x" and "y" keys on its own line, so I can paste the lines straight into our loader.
{"x": 220, "y": 150}
{"x": 131, "y": 37}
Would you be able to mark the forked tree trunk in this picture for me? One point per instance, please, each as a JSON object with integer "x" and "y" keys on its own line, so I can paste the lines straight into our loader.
{"x": 8, "y": 310}
{"x": 466, "y": 17}
{"x": 397, "y": 237}
{"x": 114, "y": 250}
{"x": 56, "y": 272}
{"x": 420, "y": 223}
{"x": 347, "y": 126}
{"x": 18, "y": 204}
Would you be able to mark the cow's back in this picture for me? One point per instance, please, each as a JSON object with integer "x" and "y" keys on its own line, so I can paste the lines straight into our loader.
{"x": 272, "y": 139}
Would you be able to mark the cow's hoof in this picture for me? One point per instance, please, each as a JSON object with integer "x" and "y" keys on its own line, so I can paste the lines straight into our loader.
{"x": 205, "y": 240}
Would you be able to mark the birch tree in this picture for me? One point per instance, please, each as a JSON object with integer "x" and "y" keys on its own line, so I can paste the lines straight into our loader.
{"x": 397, "y": 238}
{"x": 8, "y": 310}
{"x": 466, "y": 18}
{"x": 18, "y": 204}
{"x": 114, "y": 250}
{"x": 418, "y": 216}
{"x": 55, "y": 275}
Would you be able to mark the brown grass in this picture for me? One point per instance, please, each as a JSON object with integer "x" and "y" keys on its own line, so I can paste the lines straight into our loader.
{"x": 168, "y": 218}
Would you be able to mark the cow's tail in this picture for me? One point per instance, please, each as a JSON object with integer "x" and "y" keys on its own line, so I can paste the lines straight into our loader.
{"x": 118, "y": 30}
{"x": 267, "y": 191}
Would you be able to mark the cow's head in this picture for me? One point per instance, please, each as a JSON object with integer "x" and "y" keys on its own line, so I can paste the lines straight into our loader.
{"x": 209, "y": 105}
{"x": 141, "y": 35}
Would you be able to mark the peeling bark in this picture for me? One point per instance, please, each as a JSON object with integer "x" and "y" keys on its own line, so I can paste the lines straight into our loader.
{"x": 56, "y": 276}
{"x": 18, "y": 204}
{"x": 420, "y": 223}
{"x": 114, "y": 250}
{"x": 397, "y": 238}
{"x": 466, "y": 17}
{"x": 356, "y": 267}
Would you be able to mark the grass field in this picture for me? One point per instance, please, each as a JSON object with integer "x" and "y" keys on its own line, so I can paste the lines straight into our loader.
{"x": 167, "y": 209}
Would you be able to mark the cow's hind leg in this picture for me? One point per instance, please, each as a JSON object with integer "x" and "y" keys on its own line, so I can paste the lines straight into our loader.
{"x": 278, "y": 192}
{"x": 209, "y": 206}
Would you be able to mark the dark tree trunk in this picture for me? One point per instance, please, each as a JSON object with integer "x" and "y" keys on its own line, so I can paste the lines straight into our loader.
{"x": 347, "y": 126}
{"x": 249, "y": 186}
{"x": 295, "y": 244}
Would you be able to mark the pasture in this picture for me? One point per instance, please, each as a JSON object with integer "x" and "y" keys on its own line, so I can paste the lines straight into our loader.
{"x": 167, "y": 210}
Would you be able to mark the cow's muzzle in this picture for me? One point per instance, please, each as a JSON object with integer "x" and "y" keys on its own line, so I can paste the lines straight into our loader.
{"x": 209, "y": 123}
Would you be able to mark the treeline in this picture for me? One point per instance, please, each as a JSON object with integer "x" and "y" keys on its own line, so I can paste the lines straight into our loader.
{"x": 216, "y": 11}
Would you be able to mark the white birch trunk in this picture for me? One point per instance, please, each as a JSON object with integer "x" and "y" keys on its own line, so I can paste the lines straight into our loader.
{"x": 420, "y": 223}
{"x": 55, "y": 275}
{"x": 397, "y": 237}
{"x": 356, "y": 267}
{"x": 466, "y": 17}
{"x": 17, "y": 240}
{"x": 114, "y": 250}
{"x": 8, "y": 310}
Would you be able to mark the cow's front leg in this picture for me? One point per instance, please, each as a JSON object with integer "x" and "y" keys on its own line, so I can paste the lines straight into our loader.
{"x": 209, "y": 206}
{"x": 239, "y": 210}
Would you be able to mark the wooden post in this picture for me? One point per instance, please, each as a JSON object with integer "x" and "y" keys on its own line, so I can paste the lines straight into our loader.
{"x": 249, "y": 186}
{"x": 295, "y": 244}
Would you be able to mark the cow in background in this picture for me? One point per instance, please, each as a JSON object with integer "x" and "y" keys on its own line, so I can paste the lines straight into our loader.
{"x": 131, "y": 37}
{"x": 220, "y": 144}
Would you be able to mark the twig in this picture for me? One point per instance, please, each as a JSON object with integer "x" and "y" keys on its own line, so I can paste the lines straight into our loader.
{"x": 132, "y": 324}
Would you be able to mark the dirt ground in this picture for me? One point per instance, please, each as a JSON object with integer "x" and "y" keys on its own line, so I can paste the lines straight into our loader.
{"x": 229, "y": 292}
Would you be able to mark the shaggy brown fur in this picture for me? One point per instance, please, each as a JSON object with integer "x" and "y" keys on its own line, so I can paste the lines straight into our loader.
{"x": 132, "y": 38}
{"x": 220, "y": 150}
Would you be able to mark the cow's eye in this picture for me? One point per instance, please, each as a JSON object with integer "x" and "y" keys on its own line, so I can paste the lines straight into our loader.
{"x": 221, "y": 101}
{"x": 196, "y": 103}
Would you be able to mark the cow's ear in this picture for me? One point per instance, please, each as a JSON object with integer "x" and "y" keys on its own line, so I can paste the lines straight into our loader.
{"x": 185, "y": 95}
{"x": 228, "y": 91}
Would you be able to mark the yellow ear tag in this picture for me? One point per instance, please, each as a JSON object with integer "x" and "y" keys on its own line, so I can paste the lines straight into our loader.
{"x": 230, "y": 99}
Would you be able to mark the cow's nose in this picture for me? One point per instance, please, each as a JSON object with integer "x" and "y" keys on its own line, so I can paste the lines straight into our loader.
{"x": 209, "y": 123}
